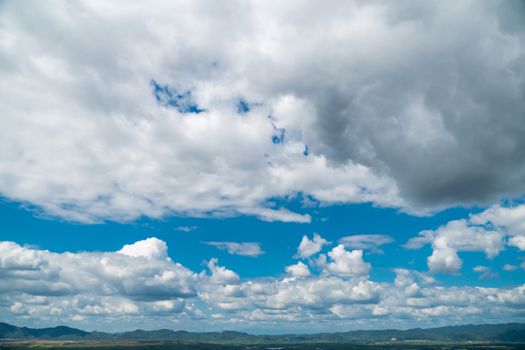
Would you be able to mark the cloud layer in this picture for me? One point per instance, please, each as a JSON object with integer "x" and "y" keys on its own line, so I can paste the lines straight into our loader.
{"x": 140, "y": 284}
{"x": 112, "y": 112}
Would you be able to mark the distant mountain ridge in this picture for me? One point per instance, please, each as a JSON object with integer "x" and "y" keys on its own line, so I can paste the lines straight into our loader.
{"x": 8, "y": 331}
{"x": 510, "y": 332}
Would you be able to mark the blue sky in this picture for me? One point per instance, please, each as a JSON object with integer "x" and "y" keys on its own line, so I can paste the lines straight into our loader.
{"x": 186, "y": 236}
{"x": 262, "y": 166}
{"x": 279, "y": 240}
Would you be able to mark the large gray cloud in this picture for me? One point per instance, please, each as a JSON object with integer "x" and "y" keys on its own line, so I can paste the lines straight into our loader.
{"x": 409, "y": 105}
{"x": 431, "y": 94}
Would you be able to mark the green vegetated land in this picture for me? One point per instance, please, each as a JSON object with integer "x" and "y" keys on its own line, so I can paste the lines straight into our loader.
{"x": 470, "y": 337}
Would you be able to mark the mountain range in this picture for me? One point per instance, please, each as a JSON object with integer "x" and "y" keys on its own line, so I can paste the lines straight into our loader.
{"x": 510, "y": 332}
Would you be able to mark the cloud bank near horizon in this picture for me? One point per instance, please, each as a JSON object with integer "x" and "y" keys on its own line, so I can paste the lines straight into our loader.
{"x": 114, "y": 112}
{"x": 140, "y": 284}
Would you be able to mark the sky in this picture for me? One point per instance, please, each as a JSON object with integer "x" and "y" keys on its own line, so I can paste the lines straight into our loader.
{"x": 262, "y": 166}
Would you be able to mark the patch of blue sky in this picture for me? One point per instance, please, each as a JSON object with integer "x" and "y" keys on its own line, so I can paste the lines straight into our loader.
{"x": 279, "y": 136}
{"x": 168, "y": 96}
{"x": 243, "y": 107}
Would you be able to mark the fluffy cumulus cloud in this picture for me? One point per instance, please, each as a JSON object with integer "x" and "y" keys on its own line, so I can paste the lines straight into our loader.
{"x": 309, "y": 247}
{"x": 97, "y": 289}
{"x": 205, "y": 108}
{"x": 138, "y": 278}
{"x": 247, "y": 249}
{"x": 459, "y": 236}
{"x": 345, "y": 263}
{"x": 489, "y": 231}
{"x": 148, "y": 275}
{"x": 150, "y": 248}
{"x": 219, "y": 274}
{"x": 510, "y": 220}
{"x": 485, "y": 272}
{"x": 298, "y": 270}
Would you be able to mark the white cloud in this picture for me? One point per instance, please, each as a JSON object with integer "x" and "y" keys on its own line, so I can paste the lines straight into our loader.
{"x": 114, "y": 291}
{"x": 220, "y": 274}
{"x": 315, "y": 293}
{"x": 510, "y": 220}
{"x": 247, "y": 248}
{"x": 406, "y": 277}
{"x": 151, "y": 248}
{"x": 488, "y": 231}
{"x": 459, "y": 235}
{"x": 366, "y": 242}
{"x": 186, "y": 228}
{"x": 480, "y": 268}
{"x": 424, "y": 238}
{"x": 453, "y": 237}
{"x": 444, "y": 260}
{"x": 308, "y": 247}
{"x": 280, "y": 214}
{"x": 286, "y": 294}
{"x": 149, "y": 275}
{"x": 518, "y": 242}
{"x": 510, "y": 267}
{"x": 298, "y": 270}
{"x": 345, "y": 263}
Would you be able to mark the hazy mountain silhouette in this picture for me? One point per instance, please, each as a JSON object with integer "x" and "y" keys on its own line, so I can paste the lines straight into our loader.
{"x": 511, "y": 332}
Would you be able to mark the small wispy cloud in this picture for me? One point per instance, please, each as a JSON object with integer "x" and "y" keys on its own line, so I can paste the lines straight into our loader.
{"x": 252, "y": 249}
{"x": 366, "y": 242}
{"x": 185, "y": 228}
{"x": 485, "y": 272}
{"x": 510, "y": 267}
